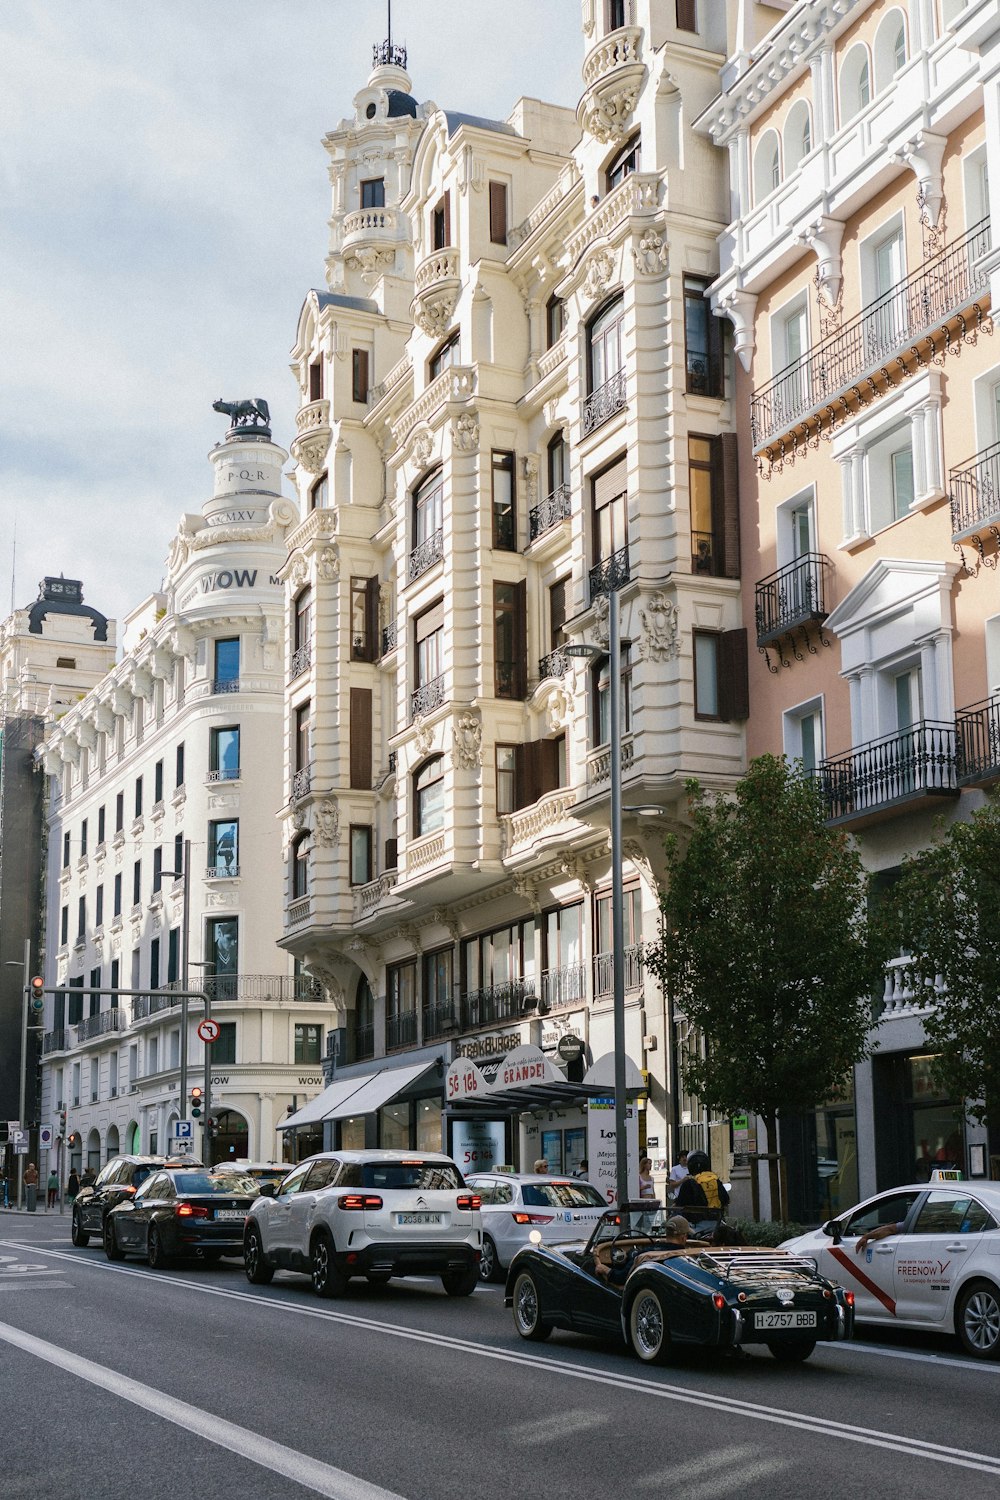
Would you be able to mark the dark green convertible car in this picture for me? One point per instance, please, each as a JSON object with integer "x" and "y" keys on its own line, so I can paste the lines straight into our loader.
{"x": 630, "y": 1281}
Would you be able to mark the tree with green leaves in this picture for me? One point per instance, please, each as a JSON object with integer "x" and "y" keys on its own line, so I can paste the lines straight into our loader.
{"x": 767, "y": 948}
{"x": 943, "y": 913}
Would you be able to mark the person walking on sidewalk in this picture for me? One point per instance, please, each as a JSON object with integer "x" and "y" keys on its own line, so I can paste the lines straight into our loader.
{"x": 52, "y": 1189}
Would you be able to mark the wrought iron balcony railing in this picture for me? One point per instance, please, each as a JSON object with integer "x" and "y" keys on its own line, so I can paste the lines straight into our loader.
{"x": 610, "y": 574}
{"x": 228, "y": 773}
{"x": 978, "y": 729}
{"x": 425, "y": 555}
{"x": 389, "y": 641}
{"x": 911, "y": 310}
{"x": 603, "y": 403}
{"x": 889, "y": 772}
{"x": 439, "y": 1020}
{"x": 792, "y": 596}
{"x": 556, "y": 664}
{"x": 401, "y": 1030}
{"x": 499, "y": 1002}
{"x": 144, "y": 1006}
{"x": 427, "y": 697}
{"x": 301, "y": 782}
{"x": 604, "y": 971}
{"x": 300, "y": 661}
{"x": 975, "y": 493}
{"x": 55, "y": 1041}
{"x": 101, "y": 1025}
{"x": 362, "y": 1043}
{"x": 556, "y": 507}
{"x": 222, "y": 872}
{"x": 562, "y": 987}
{"x": 225, "y": 685}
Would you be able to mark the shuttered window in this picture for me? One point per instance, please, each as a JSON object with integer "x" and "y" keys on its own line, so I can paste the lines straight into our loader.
{"x": 361, "y": 739}
{"x": 610, "y": 511}
{"x": 359, "y": 375}
{"x": 441, "y": 223}
{"x": 498, "y": 213}
{"x": 687, "y": 15}
{"x": 538, "y": 766}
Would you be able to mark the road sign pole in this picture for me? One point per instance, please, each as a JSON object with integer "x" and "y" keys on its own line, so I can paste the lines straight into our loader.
{"x": 24, "y": 1059}
{"x": 206, "y": 1142}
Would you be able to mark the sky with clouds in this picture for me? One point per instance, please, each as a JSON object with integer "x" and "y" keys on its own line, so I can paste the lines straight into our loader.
{"x": 165, "y": 200}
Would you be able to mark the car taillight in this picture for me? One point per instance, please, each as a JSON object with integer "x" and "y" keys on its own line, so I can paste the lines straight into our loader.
{"x": 469, "y": 1200}
{"x": 191, "y": 1211}
{"x": 849, "y": 1298}
{"x": 532, "y": 1218}
{"x": 719, "y": 1300}
{"x": 359, "y": 1201}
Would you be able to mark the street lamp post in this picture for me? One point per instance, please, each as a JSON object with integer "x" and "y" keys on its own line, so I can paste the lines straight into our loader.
{"x": 25, "y": 967}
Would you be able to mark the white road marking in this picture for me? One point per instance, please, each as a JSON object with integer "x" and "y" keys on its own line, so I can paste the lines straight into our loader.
{"x": 981, "y": 1367}
{"x": 726, "y": 1405}
{"x": 319, "y": 1477}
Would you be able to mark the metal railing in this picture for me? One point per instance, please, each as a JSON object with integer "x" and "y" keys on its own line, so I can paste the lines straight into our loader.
{"x": 389, "y": 641}
{"x": 499, "y": 1002}
{"x": 222, "y": 872}
{"x": 362, "y": 1043}
{"x": 232, "y": 774}
{"x": 791, "y": 596}
{"x": 259, "y": 987}
{"x": 604, "y": 971}
{"x": 919, "y": 761}
{"x": 603, "y": 403}
{"x": 425, "y": 555}
{"x": 610, "y": 574}
{"x": 225, "y": 684}
{"x": 978, "y": 730}
{"x": 562, "y": 987}
{"x": 556, "y": 664}
{"x": 910, "y": 310}
{"x": 388, "y": 55}
{"x": 54, "y": 1041}
{"x": 975, "y": 492}
{"x": 144, "y": 1006}
{"x": 300, "y": 661}
{"x": 439, "y": 1020}
{"x": 427, "y": 697}
{"x": 301, "y": 781}
{"x": 401, "y": 1030}
{"x": 556, "y": 507}
{"x": 100, "y": 1025}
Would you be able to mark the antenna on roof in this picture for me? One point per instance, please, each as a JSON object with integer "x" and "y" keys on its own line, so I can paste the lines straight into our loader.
{"x": 13, "y": 563}
{"x": 384, "y": 54}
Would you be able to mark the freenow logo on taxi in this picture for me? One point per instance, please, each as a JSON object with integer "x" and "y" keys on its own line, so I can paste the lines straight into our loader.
{"x": 922, "y": 1270}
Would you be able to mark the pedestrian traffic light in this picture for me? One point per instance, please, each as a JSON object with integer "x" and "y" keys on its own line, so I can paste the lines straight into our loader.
{"x": 196, "y": 1097}
{"x": 74, "y": 1141}
{"x": 62, "y": 1120}
{"x": 37, "y": 992}
{"x": 213, "y": 1127}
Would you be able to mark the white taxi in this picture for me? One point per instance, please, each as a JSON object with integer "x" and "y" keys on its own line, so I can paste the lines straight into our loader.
{"x": 940, "y": 1271}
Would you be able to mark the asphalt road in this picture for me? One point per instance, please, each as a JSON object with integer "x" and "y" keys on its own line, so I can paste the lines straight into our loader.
{"x": 120, "y": 1383}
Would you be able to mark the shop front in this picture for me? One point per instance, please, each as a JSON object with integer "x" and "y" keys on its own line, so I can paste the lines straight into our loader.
{"x": 395, "y": 1108}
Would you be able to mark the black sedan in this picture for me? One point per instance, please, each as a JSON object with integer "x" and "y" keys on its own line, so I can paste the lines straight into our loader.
{"x": 716, "y": 1297}
{"x": 179, "y": 1213}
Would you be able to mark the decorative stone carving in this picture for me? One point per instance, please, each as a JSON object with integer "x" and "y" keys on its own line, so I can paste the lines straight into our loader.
{"x": 923, "y": 154}
{"x": 446, "y": 918}
{"x": 607, "y": 115}
{"x": 527, "y": 891}
{"x": 468, "y": 742}
{"x": 823, "y": 236}
{"x": 422, "y": 448}
{"x": 573, "y": 866}
{"x": 650, "y": 254}
{"x": 661, "y": 633}
{"x": 434, "y": 309}
{"x": 600, "y": 270}
{"x": 311, "y": 451}
{"x": 465, "y": 431}
{"x": 634, "y": 851}
{"x": 602, "y": 626}
{"x": 558, "y": 708}
{"x": 332, "y": 987}
{"x": 327, "y": 822}
{"x": 739, "y": 308}
{"x": 551, "y": 413}
{"x": 423, "y": 736}
{"x": 328, "y": 566}
{"x": 372, "y": 261}
{"x": 298, "y": 572}
{"x": 530, "y": 480}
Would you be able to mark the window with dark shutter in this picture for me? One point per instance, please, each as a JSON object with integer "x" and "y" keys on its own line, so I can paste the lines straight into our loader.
{"x": 687, "y": 15}
{"x": 391, "y": 854}
{"x": 359, "y": 375}
{"x": 361, "y": 739}
{"x": 498, "y": 213}
{"x": 538, "y": 766}
{"x": 734, "y": 682}
{"x": 610, "y": 511}
{"x": 441, "y": 223}
{"x": 316, "y": 382}
{"x": 730, "y": 505}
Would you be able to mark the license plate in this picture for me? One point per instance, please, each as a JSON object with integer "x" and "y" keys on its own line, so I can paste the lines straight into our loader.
{"x": 230, "y": 1213}
{"x": 405, "y": 1220}
{"x": 785, "y": 1320}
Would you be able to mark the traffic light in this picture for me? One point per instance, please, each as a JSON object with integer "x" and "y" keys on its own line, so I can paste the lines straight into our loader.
{"x": 213, "y": 1127}
{"x": 74, "y": 1141}
{"x": 37, "y": 993}
{"x": 62, "y": 1121}
{"x": 197, "y": 1095}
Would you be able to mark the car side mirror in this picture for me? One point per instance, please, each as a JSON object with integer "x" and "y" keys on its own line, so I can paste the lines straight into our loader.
{"x": 268, "y": 1189}
{"x": 833, "y": 1228}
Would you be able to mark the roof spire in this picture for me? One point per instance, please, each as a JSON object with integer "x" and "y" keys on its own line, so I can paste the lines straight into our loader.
{"x": 385, "y": 54}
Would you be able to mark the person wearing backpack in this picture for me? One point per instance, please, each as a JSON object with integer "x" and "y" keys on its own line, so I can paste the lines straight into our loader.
{"x": 701, "y": 1188}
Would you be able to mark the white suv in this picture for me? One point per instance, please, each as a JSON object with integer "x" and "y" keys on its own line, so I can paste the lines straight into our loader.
{"x": 367, "y": 1213}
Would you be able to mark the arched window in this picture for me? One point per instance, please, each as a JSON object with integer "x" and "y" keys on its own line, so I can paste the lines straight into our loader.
{"x": 319, "y": 494}
{"x": 890, "y": 49}
{"x": 298, "y": 858}
{"x": 797, "y": 134}
{"x": 855, "y": 83}
{"x": 766, "y": 165}
{"x": 624, "y": 162}
{"x": 445, "y": 355}
{"x": 428, "y": 796}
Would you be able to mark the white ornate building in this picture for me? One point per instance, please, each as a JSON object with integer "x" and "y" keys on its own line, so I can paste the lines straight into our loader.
{"x": 180, "y": 744}
{"x": 513, "y": 397}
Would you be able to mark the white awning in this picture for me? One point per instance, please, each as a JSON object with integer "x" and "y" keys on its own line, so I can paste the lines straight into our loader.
{"x": 357, "y": 1096}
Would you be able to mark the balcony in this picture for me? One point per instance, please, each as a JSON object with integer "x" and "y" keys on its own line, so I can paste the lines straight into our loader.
{"x": 617, "y": 50}
{"x": 144, "y": 1006}
{"x": 297, "y": 912}
{"x": 300, "y": 661}
{"x": 978, "y": 730}
{"x": 610, "y": 574}
{"x": 312, "y": 436}
{"x": 103, "y": 1024}
{"x": 556, "y": 664}
{"x": 428, "y": 697}
{"x": 256, "y": 988}
{"x": 792, "y": 597}
{"x": 389, "y": 639}
{"x": 362, "y": 1043}
{"x": 561, "y": 988}
{"x": 439, "y": 1020}
{"x": 401, "y": 1031}
{"x": 875, "y": 350}
{"x": 368, "y": 898}
{"x": 500, "y": 1002}
{"x": 603, "y": 403}
{"x": 222, "y": 872}
{"x": 604, "y": 972}
{"x": 371, "y": 226}
{"x": 599, "y": 763}
{"x": 613, "y": 72}
{"x": 521, "y": 831}
{"x": 230, "y": 773}
{"x": 907, "y": 992}
{"x": 425, "y": 555}
{"x": 54, "y": 1041}
{"x": 548, "y": 513}
{"x": 301, "y": 782}
{"x": 870, "y": 783}
{"x": 225, "y": 684}
{"x": 436, "y": 286}
{"x": 975, "y": 500}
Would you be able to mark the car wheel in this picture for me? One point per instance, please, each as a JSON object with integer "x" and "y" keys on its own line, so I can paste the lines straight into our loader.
{"x": 461, "y": 1283}
{"x": 111, "y": 1249}
{"x": 155, "y": 1253}
{"x": 255, "y": 1263}
{"x": 528, "y": 1319}
{"x": 489, "y": 1262}
{"x": 77, "y": 1233}
{"x": 379, "y": 1278}
{"x": 791, "y": 1352}
{"x": 327, "y": 1280}
{"x": 977, "y": 1320}
{"x": 648, "y": 1328}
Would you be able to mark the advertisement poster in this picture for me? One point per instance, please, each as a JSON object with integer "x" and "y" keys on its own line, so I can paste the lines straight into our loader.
{"x": 478, "y": 1145}
{"x": 601, "y": 1155}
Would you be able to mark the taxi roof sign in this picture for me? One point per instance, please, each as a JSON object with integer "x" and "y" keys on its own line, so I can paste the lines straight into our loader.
{"x": 946, "y": 1174}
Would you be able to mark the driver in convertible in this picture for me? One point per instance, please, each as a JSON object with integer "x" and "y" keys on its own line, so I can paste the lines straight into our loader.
{"x": 614, "y": 1266}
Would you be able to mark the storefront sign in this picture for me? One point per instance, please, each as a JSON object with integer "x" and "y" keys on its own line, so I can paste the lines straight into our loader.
{"x": 570, "y": 1047}
{"x": 602, "y": 1168}
{"x": 526, "y": 1065}
{"x": 478, "y": 1145}
{"x": 490, "y": 1046}
{"x": 463, "y": 1080}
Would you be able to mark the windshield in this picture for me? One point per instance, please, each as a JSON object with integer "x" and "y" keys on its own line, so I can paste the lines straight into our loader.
{"x": 200, "y": 1184}
{"x": 561, "y": 1195}
{"x": 649, "y": 1222}
{"x": 400, "y": 1174}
